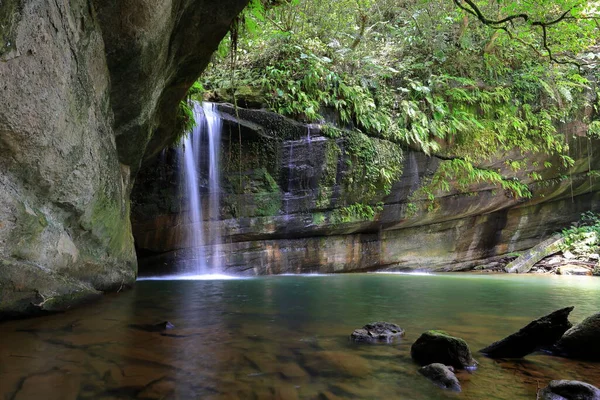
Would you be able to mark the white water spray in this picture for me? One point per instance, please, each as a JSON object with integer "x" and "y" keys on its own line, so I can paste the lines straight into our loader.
{"x": 214, "y": 125}
{"x": 206, "y": 135}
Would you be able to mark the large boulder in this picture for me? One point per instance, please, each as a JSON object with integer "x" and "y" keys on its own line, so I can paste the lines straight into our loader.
{"x": 441, "y": 375}
{"x": 542, "y": 332}
{"x": 582, "y": 340}
{"x": 377, "y": 332}
{"x": 439, "y": 347}
{"x": 569, "y": 390}
{"x": 88, "y": 89}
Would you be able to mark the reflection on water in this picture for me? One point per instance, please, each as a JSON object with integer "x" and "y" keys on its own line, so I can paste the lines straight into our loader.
{"x": 191, "y": 277}
{"x": 287, "y": 338}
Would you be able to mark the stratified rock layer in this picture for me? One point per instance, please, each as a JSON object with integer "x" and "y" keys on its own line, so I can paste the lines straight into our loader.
{"x": 284, "y": 218}
{"x": 88, "y": 89}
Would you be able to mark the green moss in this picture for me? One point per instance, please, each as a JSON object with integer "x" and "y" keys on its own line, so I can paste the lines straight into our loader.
{"x": 373, "y": 165}
{"x": 268, "y": 204}
{"x": 318, "y": 218}
{"x": 259, "y": 194}
{"x": 109, "y": 222}
{"x": 185, "y": 122}
{"x": 10, "y": 15}
{"x": 269, "y": 201}
{"x": 437, "y": 332}
{"x": 196, "y": 92}
{"x": 328, "y": 174}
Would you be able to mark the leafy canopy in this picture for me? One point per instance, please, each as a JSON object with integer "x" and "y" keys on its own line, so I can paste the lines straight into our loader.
{"x": 464, "y": 79}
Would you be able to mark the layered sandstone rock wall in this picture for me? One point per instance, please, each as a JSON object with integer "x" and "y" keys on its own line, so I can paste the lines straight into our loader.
{"x": 282, "y": 215}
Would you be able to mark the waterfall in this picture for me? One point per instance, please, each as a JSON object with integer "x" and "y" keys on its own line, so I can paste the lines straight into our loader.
{"x": 214, "y": 126}
{"x": 190, "y": 156}
{"x": 205, "y": 135}
{"x": 287, "y": 197}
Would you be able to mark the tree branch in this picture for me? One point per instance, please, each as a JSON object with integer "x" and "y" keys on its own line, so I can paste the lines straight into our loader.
{"x": 503, "y": 24}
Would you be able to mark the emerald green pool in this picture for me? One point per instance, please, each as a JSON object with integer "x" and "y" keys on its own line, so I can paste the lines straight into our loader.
{"x": 287, "y": 338}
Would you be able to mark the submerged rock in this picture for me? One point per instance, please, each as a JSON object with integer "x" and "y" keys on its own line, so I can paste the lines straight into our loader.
{"x": 441, "y": 375}
{"x": 569, "y": 390}
{"x": 542, "y": 332}
{"x": 161, "y": 326}
{"x": 336, "y": 363}
{"x": 439, "y": 347}
{"x": 377, "y": 332}
{"x": 582, "y": 340}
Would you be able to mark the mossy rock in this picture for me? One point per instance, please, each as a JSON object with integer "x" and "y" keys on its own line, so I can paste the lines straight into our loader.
{"x": 582, "y": 340}
{"x": 439, "y": 347}
{"x": 10, "y": 14}
{"x": 245, "y": 96}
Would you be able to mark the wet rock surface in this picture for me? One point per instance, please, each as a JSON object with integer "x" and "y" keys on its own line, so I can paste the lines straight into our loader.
{"x": 284, "y": 221}
{"x": 159, "y": 327}
{"x": 441, "y": 375}
{"x": 439, "y": 347}
{"x": 582, "y": 340}
{"x": 543, "y": 332}
{"x": 377, "y": 332}
{"x": 569, "y": 390}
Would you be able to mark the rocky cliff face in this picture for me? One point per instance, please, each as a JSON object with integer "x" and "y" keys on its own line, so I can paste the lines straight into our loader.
{"x": 284, "y": 213}
{"x": 88, "y": 89}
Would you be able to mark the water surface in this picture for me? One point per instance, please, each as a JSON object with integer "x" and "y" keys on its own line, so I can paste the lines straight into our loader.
{"x": 287, "y": 338}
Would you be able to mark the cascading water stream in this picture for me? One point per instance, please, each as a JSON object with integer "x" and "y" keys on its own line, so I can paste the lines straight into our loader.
{"x": 190, "y": 156}
{"x": 214, "y": 126}
{"x": 207, "y": 132}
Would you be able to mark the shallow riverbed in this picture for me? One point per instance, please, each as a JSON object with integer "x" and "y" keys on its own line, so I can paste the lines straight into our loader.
{"x": 287, "y": 337}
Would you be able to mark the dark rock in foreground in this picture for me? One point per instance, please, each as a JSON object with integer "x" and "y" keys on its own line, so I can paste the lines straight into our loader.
{"x": 377, "y": 332}
{"x": 569, "y": 390}
{"x": 542, "y": 332}
{"x": 582, "y": 340}
{"x": 441, "y": 375}
{"x": 439, "y": 347}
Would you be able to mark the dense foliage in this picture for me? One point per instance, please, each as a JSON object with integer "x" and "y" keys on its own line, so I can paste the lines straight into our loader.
{"x": 584, "y": 236}
{"x": 464, "y": 80}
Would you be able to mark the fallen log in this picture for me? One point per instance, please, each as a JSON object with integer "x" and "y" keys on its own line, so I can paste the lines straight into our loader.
{"x": 543, "y": 332}
{"x": 527, "y": 260}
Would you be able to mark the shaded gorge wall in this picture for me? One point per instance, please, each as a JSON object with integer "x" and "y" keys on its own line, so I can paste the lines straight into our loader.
{"x": 287, "y": 187}
{"x": 88, "y": 90}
